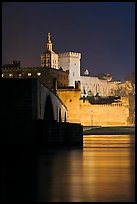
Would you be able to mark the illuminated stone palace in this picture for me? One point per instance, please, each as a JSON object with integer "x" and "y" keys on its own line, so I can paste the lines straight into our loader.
{"x": 61, "y": 73}
{"x": 70, "y": 62}
{"x": 81, "y": 111}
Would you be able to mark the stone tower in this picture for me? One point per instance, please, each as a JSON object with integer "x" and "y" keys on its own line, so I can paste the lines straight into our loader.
{"x": 71, "y": 61}
{"x": 49, "y": 58}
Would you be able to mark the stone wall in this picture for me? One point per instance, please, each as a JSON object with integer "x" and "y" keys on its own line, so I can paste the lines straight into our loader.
{"x": 70, "y": 97}
{"x": 80, "y": 111}
{"x": 59, "y": 133}
{"x": 132, "y": 108}
{"x": 71, "y": 61}
{"x": 46, "y": 74}
{"x": 94, "y": 85}
{"x": 104, "y": 114}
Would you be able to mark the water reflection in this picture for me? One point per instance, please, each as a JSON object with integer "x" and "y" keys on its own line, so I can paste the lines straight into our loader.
{"x": 65, "y": 176}
{"x": 96, "y": 173}
{"x": 93, "y": 174}
{"x": 109, "y": 174}
{"x": 108, "y": 141}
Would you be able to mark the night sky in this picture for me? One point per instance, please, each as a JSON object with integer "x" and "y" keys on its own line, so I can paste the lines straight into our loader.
{"x": 103, "y": 32}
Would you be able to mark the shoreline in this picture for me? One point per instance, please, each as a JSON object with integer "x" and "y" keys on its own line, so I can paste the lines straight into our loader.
{"x": 114, "y": 130}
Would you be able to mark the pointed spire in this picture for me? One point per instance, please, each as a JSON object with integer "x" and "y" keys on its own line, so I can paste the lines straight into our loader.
{"x": 49, "y": 43}
{"x": 48, "y": 40}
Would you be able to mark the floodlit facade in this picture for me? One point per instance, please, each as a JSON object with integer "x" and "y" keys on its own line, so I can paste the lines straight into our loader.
{"x": 49, "y": 58}
{"x": 70, "y": 62}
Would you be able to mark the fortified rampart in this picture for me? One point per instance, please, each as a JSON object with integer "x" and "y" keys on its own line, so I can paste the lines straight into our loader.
{"x": 115, "y": 114}
{"x": 81, "y": 111}
{"x": 70, "y": 54}
{"x": 70, "y": 97}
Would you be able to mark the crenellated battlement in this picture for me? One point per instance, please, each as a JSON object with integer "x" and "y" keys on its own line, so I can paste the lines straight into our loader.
{"x": 70, "y": 54}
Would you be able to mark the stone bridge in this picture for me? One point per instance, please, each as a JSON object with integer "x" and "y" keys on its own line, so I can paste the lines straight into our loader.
{"x": 25, "y": 100}
{"x": 29, "y": 98}
{"x": 34, "y": 114}
{"x": 42, "y": 82}
{"x": 49, "y": 105}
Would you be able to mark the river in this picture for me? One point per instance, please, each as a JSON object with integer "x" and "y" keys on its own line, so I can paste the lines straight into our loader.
{"x": 103, "y": 171}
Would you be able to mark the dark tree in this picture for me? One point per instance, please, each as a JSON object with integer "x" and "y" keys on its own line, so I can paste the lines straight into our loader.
{"x": 130, "y": 77}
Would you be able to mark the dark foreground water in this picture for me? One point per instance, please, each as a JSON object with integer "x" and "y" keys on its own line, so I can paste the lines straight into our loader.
{"x": 103, "y": 171}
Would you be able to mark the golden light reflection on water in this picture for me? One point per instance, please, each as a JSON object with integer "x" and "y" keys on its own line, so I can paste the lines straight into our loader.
{"x": 109, "y": 172}
{"x": 108, "y": 141}
{"x": 98, "y": 174}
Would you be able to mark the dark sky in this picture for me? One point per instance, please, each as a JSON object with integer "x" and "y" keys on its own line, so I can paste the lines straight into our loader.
{"x": 103, "y": 32}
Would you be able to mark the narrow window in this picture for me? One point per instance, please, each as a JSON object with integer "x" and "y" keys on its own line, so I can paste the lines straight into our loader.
{"x": 10, "y": 75}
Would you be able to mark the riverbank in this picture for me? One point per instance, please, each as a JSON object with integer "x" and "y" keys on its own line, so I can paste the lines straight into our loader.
{"x": 115, "y": 130}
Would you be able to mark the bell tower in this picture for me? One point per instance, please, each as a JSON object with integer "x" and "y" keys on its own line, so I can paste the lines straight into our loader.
{"x": 49, "y": 58}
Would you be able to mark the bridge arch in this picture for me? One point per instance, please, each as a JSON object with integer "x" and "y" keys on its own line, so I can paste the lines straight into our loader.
{"x": 65, "y": 118}
{"x": 48, "y": 112}
{"x": 60, "y": 120}
{"x": 49, "y": 104}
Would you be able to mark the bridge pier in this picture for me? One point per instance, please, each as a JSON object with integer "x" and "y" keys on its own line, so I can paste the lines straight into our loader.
{"x": 53, "y": 133}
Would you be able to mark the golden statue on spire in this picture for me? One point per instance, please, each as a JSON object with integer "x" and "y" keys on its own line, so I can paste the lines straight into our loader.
{"x": 49, "y": 41}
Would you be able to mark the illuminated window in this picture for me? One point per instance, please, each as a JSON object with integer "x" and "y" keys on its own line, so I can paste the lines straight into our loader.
{"x": 38, "y": 74}
{"x": 29, "y": 74}
{"x": 10, "y": 75}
